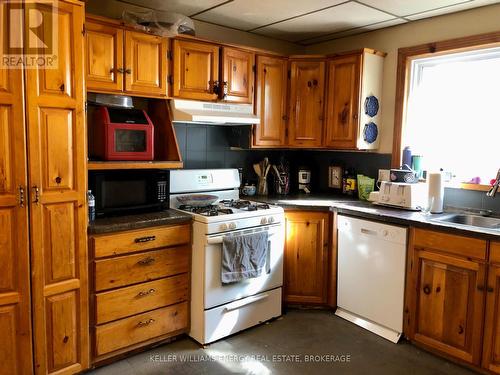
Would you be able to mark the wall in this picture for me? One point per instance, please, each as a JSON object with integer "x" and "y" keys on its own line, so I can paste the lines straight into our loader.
{"x": 114, "y": 9}
{"x": 471, "y": 22}
{"x": 205, "y": 146}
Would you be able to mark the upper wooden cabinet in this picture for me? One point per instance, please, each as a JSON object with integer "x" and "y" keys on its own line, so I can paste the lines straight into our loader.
{"x": 271, "y": 102}
{"x": 307, "y": 91}
{"x": 104, "y": 57}
{"x": 446, "y": 293}
{"x": 196, "y": 70}
{"x": 306, "y": 256}
{"x": 119, "y": 60}
{"x": 353, "y": 109}
{"x": 237, "y": 75}
{"x": 342, "y": 107}
{"x": 145, "y": 64}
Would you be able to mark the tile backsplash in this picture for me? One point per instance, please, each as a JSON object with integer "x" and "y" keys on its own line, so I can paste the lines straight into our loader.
{"x": 208, "y": 146}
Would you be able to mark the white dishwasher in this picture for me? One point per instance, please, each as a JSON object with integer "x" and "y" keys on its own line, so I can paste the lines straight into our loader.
{"x": 371, "y": 275}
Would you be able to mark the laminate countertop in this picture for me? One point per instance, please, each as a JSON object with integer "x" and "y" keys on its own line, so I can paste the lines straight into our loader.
{"x": 130, "y": 222}
{"x": 354, "y": 207}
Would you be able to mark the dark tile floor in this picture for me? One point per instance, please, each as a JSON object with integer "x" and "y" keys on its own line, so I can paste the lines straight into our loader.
{"x": 282, "y": 347}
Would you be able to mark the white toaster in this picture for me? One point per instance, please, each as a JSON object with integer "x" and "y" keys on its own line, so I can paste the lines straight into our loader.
{"x": 403, "y": 195}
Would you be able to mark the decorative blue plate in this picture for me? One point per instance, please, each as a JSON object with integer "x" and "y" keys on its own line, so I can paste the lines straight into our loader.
{"x": 371, "y": 106}
{"x": 370, "y": 133}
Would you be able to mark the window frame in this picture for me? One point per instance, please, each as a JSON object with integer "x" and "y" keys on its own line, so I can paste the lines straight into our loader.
{"x": 405, "y": 57}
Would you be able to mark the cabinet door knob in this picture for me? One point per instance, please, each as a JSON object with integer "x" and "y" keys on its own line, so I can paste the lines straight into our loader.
{"x": 128, "y": 71}
{"x": 427, "y": 289}
{"x": 121, "y": 70}
{"x": 21, "y": 196}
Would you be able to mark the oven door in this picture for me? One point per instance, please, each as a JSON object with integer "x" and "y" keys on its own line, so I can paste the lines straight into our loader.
{"x": 217, "y": 293}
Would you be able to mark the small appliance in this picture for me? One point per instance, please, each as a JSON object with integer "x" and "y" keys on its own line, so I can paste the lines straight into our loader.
{"x": 121, "y": 134}
{"x": 403, "y": 195}
{"x": 117, "y": 193}
{"x": 305, "y": 180}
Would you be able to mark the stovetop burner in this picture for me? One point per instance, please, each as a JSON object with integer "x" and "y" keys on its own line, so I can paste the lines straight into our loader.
{"x": 242, "y": 204}
{"x": 225, "y": 207}
{"x": 211, "y": 210}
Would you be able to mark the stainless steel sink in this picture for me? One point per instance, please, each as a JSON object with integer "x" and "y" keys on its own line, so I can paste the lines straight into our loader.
{"x": 471, "y": 220}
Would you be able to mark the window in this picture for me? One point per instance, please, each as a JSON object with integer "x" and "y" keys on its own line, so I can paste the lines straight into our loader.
{"x": 453, "y": 113}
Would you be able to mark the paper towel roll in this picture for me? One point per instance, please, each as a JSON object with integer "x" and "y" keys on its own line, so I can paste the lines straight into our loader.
{"x": 436, "y": 192}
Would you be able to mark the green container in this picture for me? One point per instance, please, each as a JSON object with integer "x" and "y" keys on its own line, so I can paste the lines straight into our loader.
{"x": 365, "y": 186}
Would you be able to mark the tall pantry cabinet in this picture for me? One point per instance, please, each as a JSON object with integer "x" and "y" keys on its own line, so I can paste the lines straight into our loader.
{"x": 43, "y": 178}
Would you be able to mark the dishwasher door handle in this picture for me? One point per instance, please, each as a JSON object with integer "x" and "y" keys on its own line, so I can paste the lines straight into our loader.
{"x": 369, "y": 232}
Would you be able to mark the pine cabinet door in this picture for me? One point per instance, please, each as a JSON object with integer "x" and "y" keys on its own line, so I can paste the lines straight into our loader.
{"x": 491, "y": 348}
{"x": 449, "y": 304}
{"x": 237, "y": 75}
{"x": 104, "y": 57}
{"x": 196, "y": 70}
{"x": 271, "y": 102}
{"x": 145, "y": 64}
{"x": 15, "y": 322}
{"x": 57, "y": 196}
{"x": 344, "y": 76}
{"x": 306, "y": 253}
{"x": 307, "y": 91}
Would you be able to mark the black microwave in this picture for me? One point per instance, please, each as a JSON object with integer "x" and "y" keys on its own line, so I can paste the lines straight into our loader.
{"x": 127, "y": 192}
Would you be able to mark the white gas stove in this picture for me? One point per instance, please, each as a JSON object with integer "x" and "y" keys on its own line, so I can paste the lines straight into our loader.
{"x": 219, "y": 310}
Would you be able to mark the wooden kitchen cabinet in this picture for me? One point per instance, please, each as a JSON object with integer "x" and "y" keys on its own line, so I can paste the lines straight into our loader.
{"x": 237, "y": 75}
{"x": 104, "y": 57}
{"x": 306, "y": 257}
{"x": 341, "y": 127}
{"x": 125, "y": 61}
{"x": 139, "y": 288}
{"x": 195, "y": 70}
{"x": 307, "y": 91}
{"x": 145, "y": 64}
{"x": 15, "y": 315}
{"x": 271, "y": 102}
{"x": 57, "y": 197}
{"x": 491, "y": 341}
{"x": 445, "y": 293}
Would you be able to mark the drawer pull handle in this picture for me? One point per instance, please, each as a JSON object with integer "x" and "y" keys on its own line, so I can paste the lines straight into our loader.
{"x": 147, "y": 261}
{"x": 145, "y": 239}
{"x": 145, "y": 323}
{"x": 144, "y": 293}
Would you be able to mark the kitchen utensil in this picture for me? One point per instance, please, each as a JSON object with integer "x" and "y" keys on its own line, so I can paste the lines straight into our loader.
{"x": 416, "y": 164}
{"x": 262, "y": 169}
{"x": 197, "y": 200}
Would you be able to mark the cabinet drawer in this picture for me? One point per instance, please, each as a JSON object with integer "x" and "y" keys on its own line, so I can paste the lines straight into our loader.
{"x": 458, "y": 245}
{"x": 139, "y": 240}
{"x": 138, "y": 328}
{"x": 136, "y": 299}
{"x": 495, "y": 252}
{"x": 137, "y": 268}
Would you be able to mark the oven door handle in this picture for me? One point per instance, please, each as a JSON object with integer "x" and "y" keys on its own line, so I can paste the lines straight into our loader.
{"x": 218, "y": 240}
{"x": 239, "y": 304}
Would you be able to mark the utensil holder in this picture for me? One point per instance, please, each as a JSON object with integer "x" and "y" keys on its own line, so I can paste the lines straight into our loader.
{"x": 262, "y": 186}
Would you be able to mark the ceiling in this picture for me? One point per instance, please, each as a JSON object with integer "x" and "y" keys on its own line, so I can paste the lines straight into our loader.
{"x": 306, "y": 22}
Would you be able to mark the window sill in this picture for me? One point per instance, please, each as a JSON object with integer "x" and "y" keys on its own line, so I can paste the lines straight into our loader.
{"x": 474, "y": 187}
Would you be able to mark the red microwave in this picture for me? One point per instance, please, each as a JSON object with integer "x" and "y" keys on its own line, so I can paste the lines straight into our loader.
{"x": 121, "y": 134}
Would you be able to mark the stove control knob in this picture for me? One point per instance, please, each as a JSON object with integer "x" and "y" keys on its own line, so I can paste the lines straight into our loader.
{"x": 263, "y": 220}
{"x": 232, "y": 226}
{"x": 270, "y": 220}
{"x": 223, "y": 227}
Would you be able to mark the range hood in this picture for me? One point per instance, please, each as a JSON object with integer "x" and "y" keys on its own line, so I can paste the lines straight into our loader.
{"x": 212, "y": 113}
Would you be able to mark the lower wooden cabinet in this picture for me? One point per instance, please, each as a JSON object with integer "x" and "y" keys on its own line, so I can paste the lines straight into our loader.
{"x": 140, "y": 288}
{"x": 445, "y": 293}
{"x": 306, "y": 257}
{"x": 491, "y": 341}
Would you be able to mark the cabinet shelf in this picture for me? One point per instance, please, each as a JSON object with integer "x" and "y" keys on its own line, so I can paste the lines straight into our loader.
{"x": 106, "y": 165}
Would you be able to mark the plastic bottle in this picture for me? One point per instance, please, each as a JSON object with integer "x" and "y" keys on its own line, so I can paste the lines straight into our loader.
{"x": 407, "y": 156}
{"x": 91, "y": 205}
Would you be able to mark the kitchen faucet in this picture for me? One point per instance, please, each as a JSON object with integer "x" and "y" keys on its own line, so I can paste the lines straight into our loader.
{"x": 492, "y": 192}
